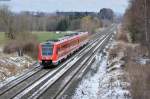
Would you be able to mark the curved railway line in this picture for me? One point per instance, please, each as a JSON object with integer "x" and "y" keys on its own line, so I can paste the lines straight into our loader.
{"x": 46, "y": 83}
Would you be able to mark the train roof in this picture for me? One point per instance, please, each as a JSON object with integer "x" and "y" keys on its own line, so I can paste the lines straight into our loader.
{"x": 66, "y": 37}
{"x": 71, "y": 35}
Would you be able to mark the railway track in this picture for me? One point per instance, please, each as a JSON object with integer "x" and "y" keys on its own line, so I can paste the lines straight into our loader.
{"x": 32, "y": 69}
{"x": 34, "y": 84}
{"x": 67, "y": 80}
{"x": 56, "y": 89}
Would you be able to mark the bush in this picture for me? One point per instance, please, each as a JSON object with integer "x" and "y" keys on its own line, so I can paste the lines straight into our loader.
{"x": 31, "y": 48}
{"x": 140, "y": 79}
{"x": 122, "y": 35}
{"x": 26, "y": 43}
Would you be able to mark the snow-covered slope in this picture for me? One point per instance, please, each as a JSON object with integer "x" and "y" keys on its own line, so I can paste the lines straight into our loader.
{"x": 11, "y": 65}
{"x": 105, "y": 80}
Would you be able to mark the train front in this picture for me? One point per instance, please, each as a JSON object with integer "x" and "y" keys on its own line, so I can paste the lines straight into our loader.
{"x": 45, "y": 53}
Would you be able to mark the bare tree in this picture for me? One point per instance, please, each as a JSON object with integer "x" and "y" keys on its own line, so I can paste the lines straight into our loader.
{"x": 137, "y": 22}
{"x": 89, "y": 24}
{"x": 6, "y": 18}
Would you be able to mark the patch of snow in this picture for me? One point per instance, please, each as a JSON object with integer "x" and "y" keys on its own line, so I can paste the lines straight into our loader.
{"x": 143, "y": 61}
{"x": 89, "y": 87}
{"x": 104, "y": 80}
{"x": 117, "y": 65}
{"x": 7, "y": 80}
{"x": 11, "y": 66}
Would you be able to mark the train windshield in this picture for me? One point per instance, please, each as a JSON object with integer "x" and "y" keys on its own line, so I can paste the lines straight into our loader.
{"x": 47, "y": 49}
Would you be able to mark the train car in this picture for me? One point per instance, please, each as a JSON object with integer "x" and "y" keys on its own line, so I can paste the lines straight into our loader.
{"x": 53, "y": 52}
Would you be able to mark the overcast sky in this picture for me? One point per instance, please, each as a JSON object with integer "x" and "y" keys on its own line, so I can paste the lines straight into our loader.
{"x": 67, "y": 5}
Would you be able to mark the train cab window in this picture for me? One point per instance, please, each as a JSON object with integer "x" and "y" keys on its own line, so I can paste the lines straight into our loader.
{"x": 47, "y": 49}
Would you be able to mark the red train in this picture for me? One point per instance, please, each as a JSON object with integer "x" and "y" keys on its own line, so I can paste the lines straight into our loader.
{"x": 53, "y": 52}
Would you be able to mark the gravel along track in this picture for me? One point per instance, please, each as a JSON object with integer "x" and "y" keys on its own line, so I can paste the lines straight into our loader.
{"x": 35, "y": 81}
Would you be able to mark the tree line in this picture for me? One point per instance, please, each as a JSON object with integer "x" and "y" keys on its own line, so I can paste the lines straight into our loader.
{"x": 137, "y": 21}
{"x": 13, "y": 23}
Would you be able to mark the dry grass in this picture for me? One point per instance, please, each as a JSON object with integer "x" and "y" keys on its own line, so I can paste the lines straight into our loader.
{"x": 122, "y": 35}
{"x": 124, "y": 48}
{"x": 11, "y": 64}
{"x": 138, "y": 75}
{"x": 8, "y": 71}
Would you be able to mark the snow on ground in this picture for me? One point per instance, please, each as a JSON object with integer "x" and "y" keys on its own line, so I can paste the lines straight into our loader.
{"x": 143, "y": 61}
{"x": 105, "y": 80}
{"x": 11, "y": 66}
